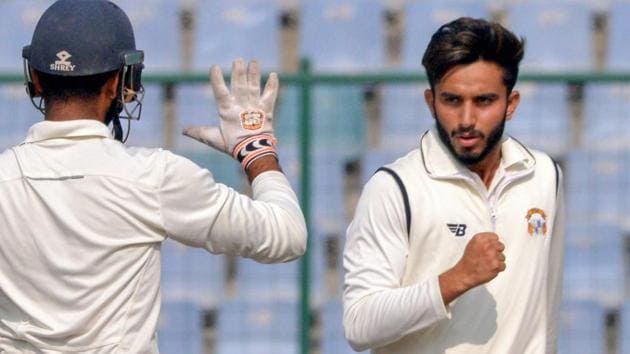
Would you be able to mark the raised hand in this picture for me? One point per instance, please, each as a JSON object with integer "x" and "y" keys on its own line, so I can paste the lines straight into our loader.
{"x": 245, "y": 129}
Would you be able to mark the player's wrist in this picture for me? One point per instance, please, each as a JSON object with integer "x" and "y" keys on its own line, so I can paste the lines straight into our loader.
{"x": 261, "y": 165}
{"x": 253, "y": 148}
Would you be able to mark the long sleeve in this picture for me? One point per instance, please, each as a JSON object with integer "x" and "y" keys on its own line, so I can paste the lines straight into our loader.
{"x": 378, "y": 310}
{"x": 197, "y": 211}
{"x": 554, "y": 278}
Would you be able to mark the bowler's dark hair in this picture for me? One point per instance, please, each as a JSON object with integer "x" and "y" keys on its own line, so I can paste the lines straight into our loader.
{"x": 61, "y": 88}
{"x": 466, "y": 40}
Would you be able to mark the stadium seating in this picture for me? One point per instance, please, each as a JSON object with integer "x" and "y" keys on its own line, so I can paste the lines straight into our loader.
{"x": 618, "y": 56}
{"x": 424, "y": 17}
{"x": 257, "y": 327}
{"x": 287, "y": 118}
{"x": 606, "y": 108}
{"x": 225, "y": 30}
{"x": 191, "y": 275}
{"x": 269, "y": 282}
{"x": 18, "y": 115}
{"x": 180, "y": 328}
{"x": 343, "y": 35}
{"x": 582, "y": 328}
{"x": 542, "y": 119}
{"x": 558, "y": 34}
{"x": 19, "y": 18}
{"x": 333, "y": 340}
{"x": 157, "y": 29}
{"x": 338, "y": 120}
{"x": 594, "y": 263}
{"x": 597, "y": 186}
{"x": 404, "y": 117}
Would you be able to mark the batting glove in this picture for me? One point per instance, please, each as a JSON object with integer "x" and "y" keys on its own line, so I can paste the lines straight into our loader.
{"x": 246, "y": 117}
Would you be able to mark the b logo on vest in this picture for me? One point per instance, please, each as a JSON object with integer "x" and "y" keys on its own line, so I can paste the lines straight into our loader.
{"x": 457, "y": 229}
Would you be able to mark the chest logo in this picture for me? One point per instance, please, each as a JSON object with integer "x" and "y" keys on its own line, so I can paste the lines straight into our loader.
{"x": 457, "y": 229}
{"x": 536, "y": 222}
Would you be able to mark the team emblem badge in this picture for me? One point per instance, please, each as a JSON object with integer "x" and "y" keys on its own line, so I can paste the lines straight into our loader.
{"x": 252, "y": 120}
{"x": 536, "y": 222}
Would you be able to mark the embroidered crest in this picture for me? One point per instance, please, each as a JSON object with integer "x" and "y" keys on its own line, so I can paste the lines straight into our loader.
{"x": 252, "y": 120}
{"x": 536, "y": 222}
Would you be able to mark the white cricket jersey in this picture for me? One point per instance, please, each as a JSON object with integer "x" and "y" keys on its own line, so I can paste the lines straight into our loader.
{"x": 82, "y": 219}
{"x": 392, "y": 298}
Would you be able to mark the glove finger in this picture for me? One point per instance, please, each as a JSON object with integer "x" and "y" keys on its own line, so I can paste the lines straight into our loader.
{"x": 208, "y": 135}
{"x": 221, "y": 92}
{"x": 270, "y": 93}
{"x": 238, "y": 81}
{"x": 253, "y": 80}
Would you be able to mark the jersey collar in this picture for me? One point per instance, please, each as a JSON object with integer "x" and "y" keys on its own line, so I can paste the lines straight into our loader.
{"x": 79, "y": 128}
{"x": 439, "y": 162}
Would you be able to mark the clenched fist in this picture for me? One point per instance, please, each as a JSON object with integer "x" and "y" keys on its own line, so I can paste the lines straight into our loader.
{"x": 482, "y": 261}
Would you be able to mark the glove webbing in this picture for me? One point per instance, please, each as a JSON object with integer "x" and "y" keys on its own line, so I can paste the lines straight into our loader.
{"x": 254, "y": 147}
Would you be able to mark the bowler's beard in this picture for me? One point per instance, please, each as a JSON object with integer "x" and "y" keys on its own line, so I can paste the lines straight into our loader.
{"x": 471, "y": 158}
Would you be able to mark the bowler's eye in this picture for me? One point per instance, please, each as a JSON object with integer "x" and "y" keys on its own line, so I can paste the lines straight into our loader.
{"x": 451, "y": 100}
{"x": 485, "y": 99}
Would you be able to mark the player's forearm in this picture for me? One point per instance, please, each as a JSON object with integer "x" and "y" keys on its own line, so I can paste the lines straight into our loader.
{"x": 452, "y": 285}
{"x": 268, "y": 229}
{"x": 385, "y": 316}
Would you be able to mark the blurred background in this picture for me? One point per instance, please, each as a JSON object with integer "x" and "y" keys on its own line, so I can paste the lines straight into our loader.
{"x": 335, "y": 130}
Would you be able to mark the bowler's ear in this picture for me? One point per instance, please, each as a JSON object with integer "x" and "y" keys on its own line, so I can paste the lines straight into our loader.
{"x": 513, "y": 100}
{"x": 429, "y": 99}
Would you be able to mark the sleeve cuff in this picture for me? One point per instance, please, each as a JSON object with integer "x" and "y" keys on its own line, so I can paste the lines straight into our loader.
{"x": 441, "y": 311}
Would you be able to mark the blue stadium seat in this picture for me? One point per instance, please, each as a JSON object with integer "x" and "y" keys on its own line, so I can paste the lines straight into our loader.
{"x": 191, "y": 275}
{"x": 618, "y": 56}
{"x": 267, "y": 282}
{"x": 180, "y": 328}
{"x": 404, "y": 117}
{"x": 225, "y": 30}
{"x": 196, "y": 106}
{"x": 18, "y": 115}
{"x": 157, "y": 29}
{"x": 19, "y": 18}
{"x": 582, "y": 328}
{"x": 328, "y": 194}
{"x": 558, "y": 34}
{"x": 424, "y": 17}
{"x": 623, "y": 336}
{"x": 328, "y": 217}
{"x": 338, "y": 120}
{"x": 542, "y": 119}
{"x": 287, "y": 118}
{"x": 257, "y": 327}
{"x": 594, "y": 263}
{"x": 598, "y": 186}
{"x": 333, "y": 340}
{"x": 343, "y": 35}
{"x": 606, "y": 108}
